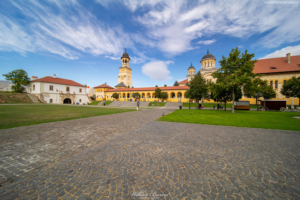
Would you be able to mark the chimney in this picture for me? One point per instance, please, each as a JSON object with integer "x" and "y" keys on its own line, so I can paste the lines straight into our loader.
{"x": 288, "y": 57}
{"x": 105, "y": 83}
{"x": 34, "y": 77}
{"x": 54, "y": 75}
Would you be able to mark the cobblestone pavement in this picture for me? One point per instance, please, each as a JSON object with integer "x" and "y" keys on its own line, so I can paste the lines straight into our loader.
{"x": 117, "y": 156}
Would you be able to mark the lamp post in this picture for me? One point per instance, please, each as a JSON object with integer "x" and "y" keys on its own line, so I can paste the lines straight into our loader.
{"x": 257, "y": 95}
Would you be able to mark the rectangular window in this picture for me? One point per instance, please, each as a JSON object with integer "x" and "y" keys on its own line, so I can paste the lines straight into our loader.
{"x": 80, "y": 100}
{"x": 68, "y": 89}
{"x": 51, "y": 87}
{"x": 80, "y": 90}
{"x": 51, "y": 100}
{"x": 276, "y": 84}
{"x": 271, "y": 83}
{"x": 33, "y": 87}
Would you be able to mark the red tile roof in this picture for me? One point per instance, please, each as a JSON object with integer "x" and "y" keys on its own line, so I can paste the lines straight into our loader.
{"x": 50, "y": 79}
{"x": 149, "y": 89}
{"x": 104, "y": 86}
{"x": 34, "y": 77}
{"x": 273, "y": 65}
{"x": 184, "y": 81}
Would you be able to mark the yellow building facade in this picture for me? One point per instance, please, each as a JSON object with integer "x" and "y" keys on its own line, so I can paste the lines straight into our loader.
{"x": 275, "y": 70}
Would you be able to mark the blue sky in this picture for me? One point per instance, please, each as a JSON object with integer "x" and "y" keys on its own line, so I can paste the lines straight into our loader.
{"x": 84, "y": 40}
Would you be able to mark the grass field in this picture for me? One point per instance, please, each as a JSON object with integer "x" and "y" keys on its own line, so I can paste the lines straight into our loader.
{"x": 210, "y": 105}
{"x": 252, "y": 119}
{"x": 11, "y": 97}
{"x": 25, "y": 115}
{"x": 94, "y": 103}
{"x": 158, "y": 103}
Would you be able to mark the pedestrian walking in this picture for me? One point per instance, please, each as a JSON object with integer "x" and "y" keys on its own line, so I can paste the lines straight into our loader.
{"x": 137, "y": 105}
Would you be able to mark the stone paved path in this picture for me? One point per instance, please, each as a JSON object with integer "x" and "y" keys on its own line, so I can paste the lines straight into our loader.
{"x": 117, "y": 156}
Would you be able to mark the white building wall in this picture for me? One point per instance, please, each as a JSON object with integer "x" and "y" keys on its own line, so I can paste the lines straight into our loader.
{"x": 57, "y": 89}
{"x": 55, "y": 98}
{"x": 37, "y": 88}
{"x": 83, "y": 97}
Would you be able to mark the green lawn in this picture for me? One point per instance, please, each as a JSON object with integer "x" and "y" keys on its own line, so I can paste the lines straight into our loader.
{"x": 25, "y": 115}
{"x": 158, "y": 103}
{"x": 94, "y": 103}
{"x": 107, "y": 103}
{"x": 253, "y": 119}
{"x": 210, "y": 105}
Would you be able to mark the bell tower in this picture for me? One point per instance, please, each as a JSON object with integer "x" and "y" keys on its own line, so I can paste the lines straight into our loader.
{"x": 191, "y": 73}
{"x": 125, "y": 71}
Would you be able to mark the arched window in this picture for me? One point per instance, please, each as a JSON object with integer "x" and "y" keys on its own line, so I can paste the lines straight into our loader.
{"x": 271, "y": 83}
{"x": 276, "y": 84}
{"x": 33, "y": 87}
{"x": 284, "y": 82}
{"x": 125, "y": 61}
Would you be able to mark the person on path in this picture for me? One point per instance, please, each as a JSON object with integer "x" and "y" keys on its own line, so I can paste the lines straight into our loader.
{"x": 119, "y": 103}
{"x": 137, "y": 105}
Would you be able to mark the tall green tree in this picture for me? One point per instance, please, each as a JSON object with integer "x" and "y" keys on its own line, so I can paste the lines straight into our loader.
{"x": 176, "y": 83}
{"x": 158, "y": 92}
{"x": 257, "y": 86}
{"x": 292, "y": 88}
{"x": 165, "y": 85}
{"x": 19, "y": 78}
{"x": 115, "y": 95}
{"x": 236, "y": 71}
{"x": 221, "y": 93}
{"x": 136, "y": 95}
{"x": 198, "y": 88}
{"x": 164, "y": 95}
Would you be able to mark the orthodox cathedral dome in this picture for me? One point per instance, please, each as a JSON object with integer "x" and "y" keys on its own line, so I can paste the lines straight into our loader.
{"x": 208, "y": 56}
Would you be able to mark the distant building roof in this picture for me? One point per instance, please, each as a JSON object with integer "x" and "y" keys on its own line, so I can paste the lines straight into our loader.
{"x": 184, "y": 81}
{"x": 104, "y": 86}
{"x": 50, "y": 79}
{"x": 121, "y": 85}
{"x": 273, "y": 65}
{"x": 150, "y": 89}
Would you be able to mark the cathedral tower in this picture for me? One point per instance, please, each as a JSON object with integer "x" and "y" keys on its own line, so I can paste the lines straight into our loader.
{"x": 124, "y": 78}
{"x": 208, "y": 63}
{"x": 191, "y": 73}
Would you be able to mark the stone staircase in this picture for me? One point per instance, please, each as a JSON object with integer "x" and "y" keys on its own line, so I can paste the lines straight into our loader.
{"x": 129, "y": 104}
{"x": 172, "y": 105}
{"x": 124, "y": 103}
{"x": 34, "y": 98}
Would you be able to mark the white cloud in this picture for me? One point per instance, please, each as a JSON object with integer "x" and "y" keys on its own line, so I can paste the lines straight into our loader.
{"x": 113, "y": 58}
{"x": 172, "y": 25}
{"x": 169, "y": 62}
{"x": 157, "y": 70}
{"x": 206, "y": 42}
{"x": 64, "y": 28}
{"x": 294, "y": 50}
